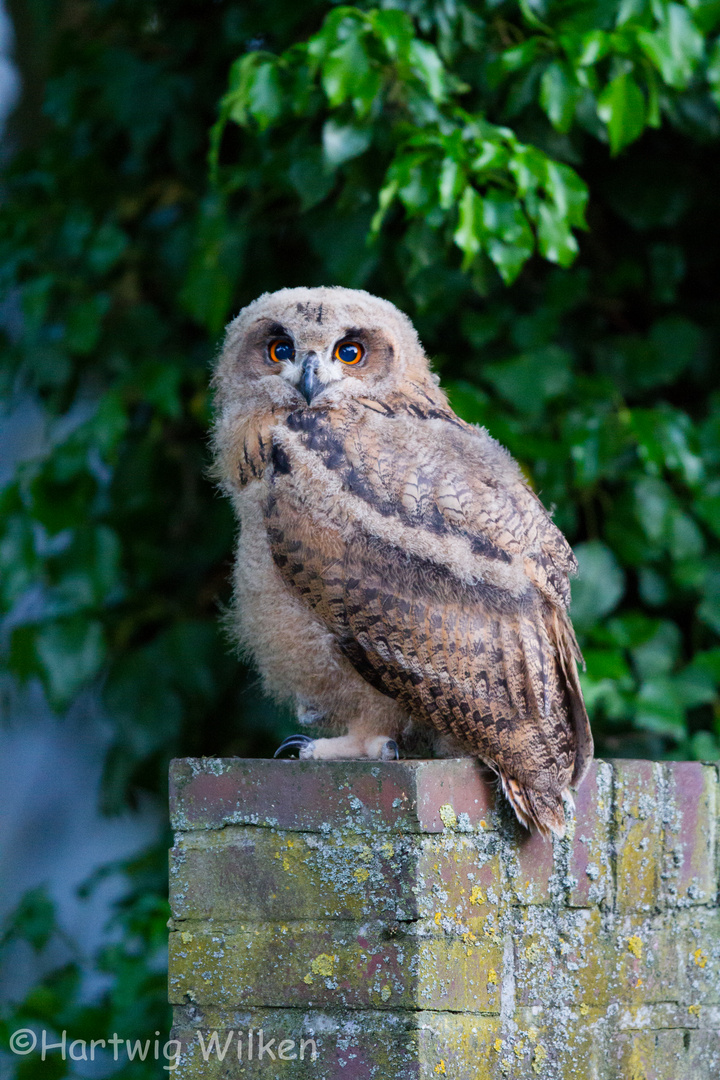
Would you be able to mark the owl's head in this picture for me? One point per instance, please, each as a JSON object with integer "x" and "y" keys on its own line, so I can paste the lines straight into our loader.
{"x": 316, "y": 347}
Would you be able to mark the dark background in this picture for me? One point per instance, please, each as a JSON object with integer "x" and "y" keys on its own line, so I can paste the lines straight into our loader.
{"x": 120, "y": 261}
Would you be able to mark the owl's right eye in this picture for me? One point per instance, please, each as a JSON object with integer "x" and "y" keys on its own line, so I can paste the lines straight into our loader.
{"x": 281, "y": 349}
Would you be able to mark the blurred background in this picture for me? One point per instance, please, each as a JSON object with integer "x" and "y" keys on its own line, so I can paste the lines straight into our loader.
{"x": 537, "y": 185}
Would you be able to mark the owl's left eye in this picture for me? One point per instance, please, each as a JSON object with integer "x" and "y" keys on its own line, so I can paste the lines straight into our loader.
{"x": 281, "y": 349}
{"x": 349, "y": 352}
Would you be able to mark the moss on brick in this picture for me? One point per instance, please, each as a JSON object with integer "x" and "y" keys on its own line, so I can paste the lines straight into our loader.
{"x": 415, "y": 930}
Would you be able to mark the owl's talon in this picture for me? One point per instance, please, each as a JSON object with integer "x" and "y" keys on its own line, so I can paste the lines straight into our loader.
{"x": 390, "y": 751}
{"x": 294, "y": 742}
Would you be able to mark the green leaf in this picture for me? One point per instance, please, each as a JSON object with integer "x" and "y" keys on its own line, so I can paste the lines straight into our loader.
{"x": 709, "y": 608}
{"x": 663, "y": 438}
{"x": 509, "y": 240}
{"x": 664, "y": 522}
{"x": 33, "y": 920}
{"x": 555, "y": 239}
{"x": 528, "y": 166}
{"x": 429, "y": 67}
{"x": 19, "y": 564}
{"x": 659, "y": 654}
{"x": 568, "y": 191}
{"x": 599, "y": 586}
{"x": 713, "y": 72}
{"x": 255, "y": 90}
{"x": 660, "y": 709}
{"x": 346, "y": 67}
{"x": 468, "y": 235}
{"x": 264, "y": 95}
{"x": 84, "y": 324}
{"x": 594, "y": 45}
{"x": 559, "y": 95}
{"x": 529, "y": 381}
{"x": 622, "y": 107}
{"x": 676, "y": 47}
{"x": 343, "y": 142}
{"x": 452, "y": 182}
{"x": 68, "y": 655}
{"x": 395, "y": 30}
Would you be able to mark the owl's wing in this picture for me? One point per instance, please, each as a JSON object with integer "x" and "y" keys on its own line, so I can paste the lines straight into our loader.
{"x": 417, "y": 541}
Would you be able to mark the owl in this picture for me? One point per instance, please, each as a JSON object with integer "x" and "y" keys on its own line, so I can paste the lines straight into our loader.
{"x": 396, "y": 578}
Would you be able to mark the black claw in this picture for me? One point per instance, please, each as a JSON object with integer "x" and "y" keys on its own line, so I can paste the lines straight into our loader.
{"x": 293, "y": 742}
{"x": 392, "y": 746}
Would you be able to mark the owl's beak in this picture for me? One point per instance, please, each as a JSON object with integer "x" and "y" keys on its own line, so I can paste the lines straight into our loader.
{"x": 309, "y": 384}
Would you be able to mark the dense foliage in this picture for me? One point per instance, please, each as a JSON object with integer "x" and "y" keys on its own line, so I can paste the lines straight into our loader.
{"x": 536, "y": 184}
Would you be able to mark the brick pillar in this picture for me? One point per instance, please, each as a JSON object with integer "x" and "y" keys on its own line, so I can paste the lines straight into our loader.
{"x": 393, "y": 920}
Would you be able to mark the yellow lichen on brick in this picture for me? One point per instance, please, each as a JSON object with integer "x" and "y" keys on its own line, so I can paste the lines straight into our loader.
{"x": 324, "y": 964}
{"x": 635, "y": 946}
{"x": 448, "y": 816}
{"x": 533, "y": 952}
{"x": 637, "y": 1066}
{"x": 700, "y": 958}
{"x": 539, "y": 1057}
{"x": 694, "y": 1010}
{"x": 492, "y": 977}
{"x": 362, "y": 874}
{"x": 477, "y": 896}
{"x": 186, "y": 937}
{"x": 387, "y": 849}
{"x": 440, "y": 1068}
{"x": 497, "y": 1046}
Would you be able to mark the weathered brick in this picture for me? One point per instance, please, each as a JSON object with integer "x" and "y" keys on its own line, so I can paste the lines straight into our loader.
{"x": 390, "y": 912}
{"x": 638, "y": 832}
{"x": 690, "y": 818}
{"x": 344, "y": 875}
{"x": 590, "y": 866}
{"x": 397, "y": 796}
{"x": 648, "y": 959}
{"x": 651, "y": 1055}
{"x": 563, "y": 959}
{"x": 530, "y": 867}
{"x": 291, "y": 875}
{"x": 325, "y": 964}
{"x": 360, "y": 1045}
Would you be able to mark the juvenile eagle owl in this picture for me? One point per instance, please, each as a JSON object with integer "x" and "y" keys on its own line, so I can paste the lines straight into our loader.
{"x": 394, "y": 570}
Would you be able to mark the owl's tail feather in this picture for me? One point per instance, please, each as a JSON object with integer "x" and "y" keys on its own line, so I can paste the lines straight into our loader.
{"x": 544, "y": 811}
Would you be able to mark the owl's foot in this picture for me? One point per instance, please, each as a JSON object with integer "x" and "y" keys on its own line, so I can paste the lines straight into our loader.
{"x": 294, "y": 746}
{"x": 377, "y": 748}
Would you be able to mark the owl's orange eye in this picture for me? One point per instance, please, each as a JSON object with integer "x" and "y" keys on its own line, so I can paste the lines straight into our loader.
{"x": 349, "y": 352}
{"x": 281, "y": 349}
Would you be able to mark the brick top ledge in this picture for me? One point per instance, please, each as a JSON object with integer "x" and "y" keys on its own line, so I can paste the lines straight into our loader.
{"x": 313, "y": 796}
{"x": 402, "y": 796}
